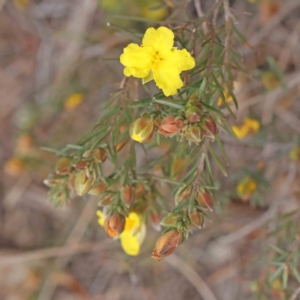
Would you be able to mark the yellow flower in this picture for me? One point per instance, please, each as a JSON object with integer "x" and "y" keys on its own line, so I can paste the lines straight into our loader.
{"x": 157, "y": 59}
{"x": 249, "y": 126}
{"x": 73, "y": 101}
{"x": 294, "y": 154}
{"x": 227, "y": 96}
{"x": 133, "y": 234}
{"x": 14, "y": 167}
{"x": 246, "y": 188}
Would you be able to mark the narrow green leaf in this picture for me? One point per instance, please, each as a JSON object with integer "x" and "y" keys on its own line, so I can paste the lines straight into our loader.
{"x": 217, "y": 160}
{"x": 169, "y": 103}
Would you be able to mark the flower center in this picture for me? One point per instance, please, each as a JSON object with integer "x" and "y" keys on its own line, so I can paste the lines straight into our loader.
{"x": 156, "y": 59}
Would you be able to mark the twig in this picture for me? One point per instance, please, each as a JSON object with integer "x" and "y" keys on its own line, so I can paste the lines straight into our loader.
{"x": 48, "y": 253}
{"x": 192, "y": 276}
{"x": 295, "y": 294}
{"x": 200, "y": 14}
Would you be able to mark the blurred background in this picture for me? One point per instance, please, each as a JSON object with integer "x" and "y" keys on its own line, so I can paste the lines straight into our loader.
{"x": 59, "y": 62}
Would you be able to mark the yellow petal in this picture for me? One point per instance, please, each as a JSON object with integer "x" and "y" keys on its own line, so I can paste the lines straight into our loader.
{"x": 160, "y": 39}
{"x": 137, "y": 60}
{"x": 180, "y": 59}
{"x": 133, "y": 222}
{"x": 240, "y": 132}
{"x": 73, "y": 101}
{"x": 100, "y": 217}
{"x": 168, "y": 80}
{"x": 130, "y": 243}
{"x": 252, "y": 125}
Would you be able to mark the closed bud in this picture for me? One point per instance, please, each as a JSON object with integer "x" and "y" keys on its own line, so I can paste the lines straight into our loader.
{"x": 97, "y": 189}
{"x": 166, "y": 244}
{"x": 106, "y": 200}
{"x": 170, "y": 219}
{"x": 193, "y": 134}
{"x": 127, "y": 194}
{"x": 100, "y": 155}
{"x": 170, "y": 125}
{"x": 72, "y": 179}
{"x": 205, "y": 199}
{"x": 197, "y": 218}
{"x": 193, "y": 101}
{"x": 183, "y": 193}
{"x": 114, "y": 224}
{"x": 88, "y": 153}
{"x": 50, "y": 182}
{"x": 142, "y": 129}
{"x": 211, "y": 127}
{"x": 80, "y": 165}
{"x": 62, "y": 166}
{"x": 193, "y": 114}
{"x": 83, "y": 183}
{"x": 157, "y": 122}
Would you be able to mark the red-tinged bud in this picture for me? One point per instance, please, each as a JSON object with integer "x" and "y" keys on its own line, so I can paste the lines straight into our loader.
{"x": 106, "y": 200}
{"x": 193, "y": 134}
{"x": 88, "y": 153}
{"x": 193, "y": 114}
{"x": 211, "y": 126}
{"x": 142, "y": 129}
{"x": 140, "y": 191}
{"x": 166, "y": 244}
{"x": 72, "y": 179}
{"x": 128, "y": 194}
{"x": 62, "y": 166}
{"x": 97, "y": 188}
{"x": 205, "y": 199}
{"x": 114, "y": 224}
{"x": 100, "y": 155}
{"x": 170, "y": 125}
{"x": 183, "y": 193}
{"x": 170, "y": 219}
{"x": 83, "y": 183}
{"x": 52, "y": 181}
{"x": 80, "y": 165}
{"x": 197, "y": 218}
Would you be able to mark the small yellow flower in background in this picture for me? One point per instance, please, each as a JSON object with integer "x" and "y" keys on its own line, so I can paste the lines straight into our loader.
{"x": 246, "y": 188}
{"x": 270, "y": 80}
{"x": 249, "y": 127}
{"x": 133, "y": 234}
{"x": 294, "y": 154}
{"x": 148, "y": 11}
{"x": 228, "y": 98}
{"x": 157, "y": 59}
{"x": 21, "y": 4}
{"x": 73, "y": 101}
{"x": 14, "y": 167}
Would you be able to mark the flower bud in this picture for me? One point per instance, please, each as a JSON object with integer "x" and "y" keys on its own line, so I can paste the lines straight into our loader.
{"x": 114, "y": 224}
{"x": 62, "y": 166}
{"x": 166, "y": 244}
{"x": 106, "y": 200}
{"x": 193, "y": 134}
{"x": 97, "y": 189}
{"x": 100, "y": 155}
{"x": 88, "y": 153}
{"x": 205, "y": 199}
{"x": 142, "y": 129}
{"x": 193, "y": 114}
{"x": 183, "y": 193}
{"x": 52, "y": 181}
{"x": 127, "y": 194}
{"x": 170, "y": 219}
{"x": 170, "y": 125}
{"x": 197, "y": 218}
{"x": 80, "y": 165}
{"x": 193, "y": 101}
{"x": 211, "y": 127}
{"x": 83, "y": 183}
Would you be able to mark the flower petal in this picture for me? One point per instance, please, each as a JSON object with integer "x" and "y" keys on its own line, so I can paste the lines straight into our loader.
{"x": 130, "y": 243}
{"x": 168, "y": 80}
{"x": 181, "y": 59}
{"x": 137, "y": 60}
{"x": 101, "y": 217}
{"x": 160, "y": 39}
